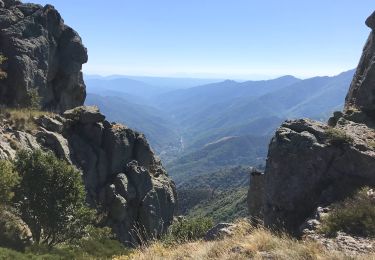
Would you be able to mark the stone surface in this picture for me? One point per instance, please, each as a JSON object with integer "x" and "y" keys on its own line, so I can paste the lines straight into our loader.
{"x": 43, "y": 54}
{"x": 361, "y": 94}
{"x": 121, "y": 173}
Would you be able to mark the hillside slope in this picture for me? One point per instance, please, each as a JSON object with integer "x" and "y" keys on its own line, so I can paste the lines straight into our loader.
{"x": 226, "y": 152}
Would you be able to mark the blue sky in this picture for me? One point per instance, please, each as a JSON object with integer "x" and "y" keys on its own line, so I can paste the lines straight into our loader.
{"x": 239, "y": 39}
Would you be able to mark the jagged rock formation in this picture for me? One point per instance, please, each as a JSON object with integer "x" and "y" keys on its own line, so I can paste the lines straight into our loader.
{"x": 44, "y": 56}
{"x": 362, "y": 90}
{"x": 121, "y": 174}
{"x": 311, "y": 164}
{"x": 123, "y": 178}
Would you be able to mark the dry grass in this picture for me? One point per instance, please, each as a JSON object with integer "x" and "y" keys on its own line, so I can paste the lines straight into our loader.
{"x": 247, "y": 243}
{"x": 22, "y": 119}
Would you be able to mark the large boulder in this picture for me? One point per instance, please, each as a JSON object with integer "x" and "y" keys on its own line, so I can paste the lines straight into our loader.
{"x": 311, "y": 164}
{"x": 44, "y": 57}
{"x": 122, "y": 176}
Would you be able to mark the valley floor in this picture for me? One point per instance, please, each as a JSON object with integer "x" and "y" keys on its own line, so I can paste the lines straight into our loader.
{"x": 246, "y": 243}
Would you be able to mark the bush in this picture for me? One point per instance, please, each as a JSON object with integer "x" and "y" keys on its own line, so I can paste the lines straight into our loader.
{"x": 101, "y": 243}
{"x": 51, "y": 198}
{"x": 9, "y": 179}
{"x": 355, "y": 215}
{"x": 188, "y": 229}
{"x": 337, "y": 136}
{"x": 34, "y": 100}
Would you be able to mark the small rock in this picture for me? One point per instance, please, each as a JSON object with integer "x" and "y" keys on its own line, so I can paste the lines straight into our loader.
{"x": 219, "y": 231}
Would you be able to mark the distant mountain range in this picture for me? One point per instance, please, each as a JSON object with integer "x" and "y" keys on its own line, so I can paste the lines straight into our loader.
{"x": 197, "y": 129}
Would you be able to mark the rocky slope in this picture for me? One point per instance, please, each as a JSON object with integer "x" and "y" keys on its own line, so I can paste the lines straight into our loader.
{"x": 43, "y": 55}
{"x": 311, "y": 164}
{"x": 124, "y": 179}
{"x": 121, "y": 174}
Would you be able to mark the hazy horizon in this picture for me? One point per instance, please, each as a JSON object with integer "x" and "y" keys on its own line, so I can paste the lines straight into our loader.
{"x": 246, "y": 40}
{"x": 254, "y": 78}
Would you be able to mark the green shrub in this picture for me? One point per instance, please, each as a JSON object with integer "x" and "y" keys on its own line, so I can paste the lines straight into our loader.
{"x": 51, "y": 198}
{"x": 188, "y": 230}
{"x": 101, "y": 243}
{"x": 9, "y": 179}
{"x": 34, "y": 100}
{"x": 354, "y": 215}
{"x": 337, "y": 136}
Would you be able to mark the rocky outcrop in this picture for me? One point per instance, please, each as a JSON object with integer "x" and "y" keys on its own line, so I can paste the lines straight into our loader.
{"x": 122, "y": 176}
{"x": 44, "y": 57}
{"x": 14, "y": 233}
{"x": 361, "y": 94}
{"x": 311, "y": 164}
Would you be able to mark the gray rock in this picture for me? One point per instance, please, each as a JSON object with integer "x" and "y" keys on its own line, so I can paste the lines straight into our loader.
{"x": 43, "y": 54}
{"x": 361, "y": 94}
{"x": 315, "y": 174}
{"x": 220, "y": 231}
{"x": 84, "y": 115}
{"x": 51, "y": 124}
{"x": 370, "y": 22}
{"x": 140, "y": 179}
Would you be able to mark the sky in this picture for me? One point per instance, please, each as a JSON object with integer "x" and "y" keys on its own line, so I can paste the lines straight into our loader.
{"x": 236, "y": 39}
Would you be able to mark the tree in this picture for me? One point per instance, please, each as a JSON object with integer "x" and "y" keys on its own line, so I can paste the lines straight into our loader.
{"x": 8, "y": 180}
{"x": 34, "y": 100}
{"x": 51, "y": 198}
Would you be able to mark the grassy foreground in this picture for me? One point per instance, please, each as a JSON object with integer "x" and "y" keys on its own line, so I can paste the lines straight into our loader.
{"x": 246, "y": 243}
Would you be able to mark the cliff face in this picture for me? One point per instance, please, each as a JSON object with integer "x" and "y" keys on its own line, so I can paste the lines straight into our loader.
{"x": 124, "y": 179}
{"x": 312, "y": 164}
{"x": 122, "y": 176}
{"x": 361, "y": 94}
{"x": 43, "y": 55}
